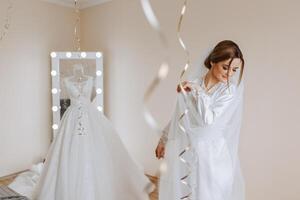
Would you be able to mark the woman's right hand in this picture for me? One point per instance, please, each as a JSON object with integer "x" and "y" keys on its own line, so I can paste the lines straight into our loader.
{"x": 160, "y": 150}
{"x": 186, "y": 86}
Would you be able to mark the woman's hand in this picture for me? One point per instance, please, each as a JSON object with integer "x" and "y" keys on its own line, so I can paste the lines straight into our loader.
{"x": 186, "y": 86}
{"x": 160, "y": 150}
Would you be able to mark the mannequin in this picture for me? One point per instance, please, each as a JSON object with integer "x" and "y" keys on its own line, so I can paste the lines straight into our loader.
{"x": 78, "y": 73}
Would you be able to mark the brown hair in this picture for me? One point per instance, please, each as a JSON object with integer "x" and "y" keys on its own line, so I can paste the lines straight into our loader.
{"x": 225, "y": 50}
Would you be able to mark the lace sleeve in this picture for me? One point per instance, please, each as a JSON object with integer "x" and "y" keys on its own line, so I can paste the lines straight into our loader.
{"x": 208, "y": 109}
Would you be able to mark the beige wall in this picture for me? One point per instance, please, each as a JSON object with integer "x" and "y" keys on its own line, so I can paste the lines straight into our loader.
{"x": 267, "y": 31}
{"x": 37, "y": 28}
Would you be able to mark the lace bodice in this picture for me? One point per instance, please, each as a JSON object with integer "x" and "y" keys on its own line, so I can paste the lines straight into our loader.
{"x": 79, "y": 92}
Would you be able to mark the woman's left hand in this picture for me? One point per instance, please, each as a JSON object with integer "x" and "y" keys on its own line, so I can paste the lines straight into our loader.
{"x": 160, "y": 150}
{"x": 187, "y": 86}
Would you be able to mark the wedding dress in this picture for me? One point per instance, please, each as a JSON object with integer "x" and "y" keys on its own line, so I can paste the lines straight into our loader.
{"x": 87, "y": 160}
{"x": 212, "y": 127}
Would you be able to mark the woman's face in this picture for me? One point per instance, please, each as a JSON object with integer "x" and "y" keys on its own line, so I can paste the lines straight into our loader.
{"x": 222, "y": 71}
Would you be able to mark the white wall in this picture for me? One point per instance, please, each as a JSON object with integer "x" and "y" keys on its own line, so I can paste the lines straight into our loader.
{"x": 267, "y": 32}
{"x": 37, "y": 28}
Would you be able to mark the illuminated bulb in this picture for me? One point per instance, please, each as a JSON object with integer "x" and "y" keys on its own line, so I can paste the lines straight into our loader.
{"x": 100, "y": 108}
{"x": 83, "y": 54}
{"x": 99, "y": 73}
{"x": 99, "y": 91}
{"x": 54, "y": 108}
{"x": 53, "y": 73}
{"x": 53, "y": 54}
{"x": 55, "y": 126}
{"x": 54, "y": 91}
{"x": 98, "y": 54}
{"x": 68, "y": 54}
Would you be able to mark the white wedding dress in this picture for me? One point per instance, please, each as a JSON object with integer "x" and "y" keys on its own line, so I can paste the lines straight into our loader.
{"x": 87, "y": 160}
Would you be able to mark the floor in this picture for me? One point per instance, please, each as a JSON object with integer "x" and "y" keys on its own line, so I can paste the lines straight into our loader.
{"x": 8, "y": 179}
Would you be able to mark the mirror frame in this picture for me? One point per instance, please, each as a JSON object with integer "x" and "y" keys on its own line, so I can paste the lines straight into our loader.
{"x": 56, "y": 57}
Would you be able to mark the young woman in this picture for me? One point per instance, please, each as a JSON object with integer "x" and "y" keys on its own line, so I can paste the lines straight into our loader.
{"x": 200, "y": 147}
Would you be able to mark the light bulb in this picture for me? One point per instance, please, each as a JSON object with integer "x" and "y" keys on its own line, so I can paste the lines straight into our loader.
{"x": 54, "y": 91}
{"x": 55, "y": 126}
{"x": 83, "y": 54}
{"x": 99, "y": 73}
{"x": 53, "y": 73}
{"x": 69, "y": 54}
{"x": 54, "y": 108}
{"x": 98, "y": 54}
{"x": 99, "y": 91}
{"x": 100, "y": 108}
{"x": 53, "y": 54}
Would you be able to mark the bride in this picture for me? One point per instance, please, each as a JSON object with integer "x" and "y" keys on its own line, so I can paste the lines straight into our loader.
{"x": 87, "y": 160}
{"x": 201, "y": 148}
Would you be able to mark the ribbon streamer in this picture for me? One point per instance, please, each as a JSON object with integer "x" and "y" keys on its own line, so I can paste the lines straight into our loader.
{"x": 186, "y": 149}
{"x": 162, "y": 73}
{"x": 163, "y": 69}
{"x": 76, "y": 28}
{"x": 7, "y": 21}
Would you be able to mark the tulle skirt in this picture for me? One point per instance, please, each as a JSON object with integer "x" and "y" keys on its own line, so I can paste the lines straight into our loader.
{"x": 88, "y": 161}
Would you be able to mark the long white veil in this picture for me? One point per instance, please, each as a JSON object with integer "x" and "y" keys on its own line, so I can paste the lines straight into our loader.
{"x": 227, "y": 125}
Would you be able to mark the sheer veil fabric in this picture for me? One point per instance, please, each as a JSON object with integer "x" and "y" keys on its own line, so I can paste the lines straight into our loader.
{"x": 213, "y": 127}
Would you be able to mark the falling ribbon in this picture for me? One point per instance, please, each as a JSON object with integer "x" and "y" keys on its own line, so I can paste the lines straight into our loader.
{"x": 163, "y": 69}
{"x": 162, "y": 73}
{"x": 186, "y": 149}
{"x": 7, "y": 21}
{"x": 76, "y": 28}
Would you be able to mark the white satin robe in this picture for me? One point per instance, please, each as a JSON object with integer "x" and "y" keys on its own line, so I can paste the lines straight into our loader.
{"x": 213, "y": 126}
